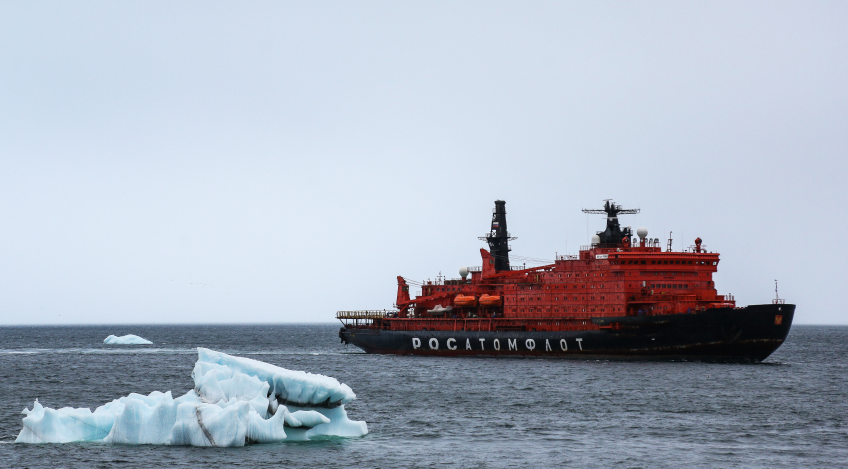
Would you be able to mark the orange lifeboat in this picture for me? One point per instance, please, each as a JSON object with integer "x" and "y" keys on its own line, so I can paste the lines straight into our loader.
{"x": 491, "y": 300}
{"x": 462, "y": 300}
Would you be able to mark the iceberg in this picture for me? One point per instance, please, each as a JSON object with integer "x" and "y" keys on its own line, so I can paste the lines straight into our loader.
{"x": 235, "y": 401}
{"x": 128, "y": 339}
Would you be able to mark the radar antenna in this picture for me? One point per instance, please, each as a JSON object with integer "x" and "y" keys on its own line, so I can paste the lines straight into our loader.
{"x": 613, "y": 235}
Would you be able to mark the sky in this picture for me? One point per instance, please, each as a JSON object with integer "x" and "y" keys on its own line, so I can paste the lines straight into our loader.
{"x": 233, "y": 162}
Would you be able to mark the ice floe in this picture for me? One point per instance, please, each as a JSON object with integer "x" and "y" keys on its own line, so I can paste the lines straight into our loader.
{"x": 128, "y": 339}
{"x": 235, "y": 401}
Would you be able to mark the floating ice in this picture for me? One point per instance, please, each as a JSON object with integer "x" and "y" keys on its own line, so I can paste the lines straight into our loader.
{"x": 235, "y": 401}
{"x": 128, "y": 339}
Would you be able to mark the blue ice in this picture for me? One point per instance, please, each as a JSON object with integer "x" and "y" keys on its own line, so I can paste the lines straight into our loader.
{"x": 235, "y": 401}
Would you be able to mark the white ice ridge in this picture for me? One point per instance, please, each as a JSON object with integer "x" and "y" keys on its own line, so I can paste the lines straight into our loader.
{"x": 235, "y": 401}
{"x": 128, "y": 339}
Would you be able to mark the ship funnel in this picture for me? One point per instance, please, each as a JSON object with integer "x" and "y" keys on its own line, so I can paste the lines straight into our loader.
{"x": 498, "y": 237}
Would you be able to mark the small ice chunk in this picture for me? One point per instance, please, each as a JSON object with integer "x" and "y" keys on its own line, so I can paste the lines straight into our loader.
{"x": 235, "y": 401}
{"x": 128, "y": 339}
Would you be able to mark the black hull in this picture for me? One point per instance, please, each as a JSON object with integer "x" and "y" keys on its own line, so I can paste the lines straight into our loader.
{"x": 747, "y": 334}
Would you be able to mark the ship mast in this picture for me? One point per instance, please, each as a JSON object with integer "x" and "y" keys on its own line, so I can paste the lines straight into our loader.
{"x": 498, "y": 237}
{"x": 613, "y": 234}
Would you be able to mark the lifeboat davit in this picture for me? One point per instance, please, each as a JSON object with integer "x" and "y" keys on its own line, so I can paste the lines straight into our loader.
{"x": 462, "y": 300}
{"x": 491, "y": 300}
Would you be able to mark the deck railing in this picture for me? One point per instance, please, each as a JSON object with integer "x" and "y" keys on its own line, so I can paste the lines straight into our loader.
{"x": 365, "y": 314}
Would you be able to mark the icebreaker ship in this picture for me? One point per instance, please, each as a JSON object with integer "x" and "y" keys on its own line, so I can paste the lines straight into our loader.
{"x": 235, "y": 401}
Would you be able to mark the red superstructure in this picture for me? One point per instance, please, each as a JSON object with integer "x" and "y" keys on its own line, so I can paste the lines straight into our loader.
{"x": 629, "y": 278}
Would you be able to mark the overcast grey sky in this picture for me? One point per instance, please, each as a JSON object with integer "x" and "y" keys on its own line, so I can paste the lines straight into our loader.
{"x": 275, "y": 162}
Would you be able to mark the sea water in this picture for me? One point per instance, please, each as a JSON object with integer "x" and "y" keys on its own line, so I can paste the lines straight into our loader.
{"x": 790, "y": 411}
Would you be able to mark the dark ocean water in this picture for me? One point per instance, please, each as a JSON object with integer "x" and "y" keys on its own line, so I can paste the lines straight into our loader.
{"x": 790, "y": 411}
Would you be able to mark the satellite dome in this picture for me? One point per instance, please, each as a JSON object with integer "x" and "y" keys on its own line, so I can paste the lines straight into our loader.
{"x": 463, "y": 272}
{"x": 642, "y": 232}
{"x": 596, "y": 239}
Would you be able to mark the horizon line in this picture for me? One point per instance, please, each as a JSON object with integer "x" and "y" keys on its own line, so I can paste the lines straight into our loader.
{"x": 246, "y": 324}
